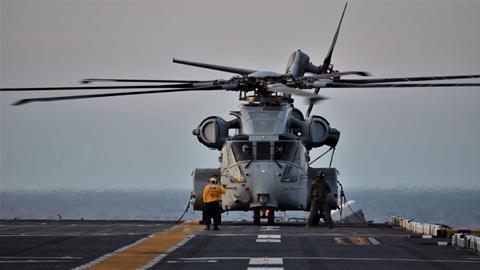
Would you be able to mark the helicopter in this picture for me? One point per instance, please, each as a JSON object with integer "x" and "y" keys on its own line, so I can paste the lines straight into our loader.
{"x": 266, "y": 164}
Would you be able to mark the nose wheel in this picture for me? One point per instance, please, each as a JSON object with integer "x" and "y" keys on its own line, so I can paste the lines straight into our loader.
{"x": 266, "y": 213}
{"x": 270, "y": 217}
{"x": 256, "y": 217}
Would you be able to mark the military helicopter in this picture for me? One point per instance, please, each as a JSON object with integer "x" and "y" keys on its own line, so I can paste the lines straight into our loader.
{"x": 266, "y": 163}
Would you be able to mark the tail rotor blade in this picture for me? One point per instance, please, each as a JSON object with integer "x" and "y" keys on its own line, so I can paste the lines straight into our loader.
{"x": 328, "y": 58}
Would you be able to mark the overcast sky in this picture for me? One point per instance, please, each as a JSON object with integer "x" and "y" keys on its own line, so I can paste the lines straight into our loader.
{"x": 389, "y": 137}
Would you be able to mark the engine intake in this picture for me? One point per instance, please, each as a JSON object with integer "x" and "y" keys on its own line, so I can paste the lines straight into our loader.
{"x": 213, "y": 131}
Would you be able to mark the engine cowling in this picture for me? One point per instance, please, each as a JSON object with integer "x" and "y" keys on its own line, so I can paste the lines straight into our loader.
{"x": 315, "y": 131}
{"x": 212, "y": 132}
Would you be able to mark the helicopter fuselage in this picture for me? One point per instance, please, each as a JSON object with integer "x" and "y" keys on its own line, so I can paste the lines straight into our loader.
{"x": 264, "y": 165}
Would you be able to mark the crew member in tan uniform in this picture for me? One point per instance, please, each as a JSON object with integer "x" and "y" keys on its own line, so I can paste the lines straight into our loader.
{"x": 318, "y": 197}
{"x": 212, "y": 196}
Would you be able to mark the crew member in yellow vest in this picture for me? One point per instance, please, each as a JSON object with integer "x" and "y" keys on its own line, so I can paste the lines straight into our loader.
{"x": 212, "y": 196}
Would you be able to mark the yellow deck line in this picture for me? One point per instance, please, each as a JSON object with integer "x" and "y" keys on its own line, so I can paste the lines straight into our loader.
{"x": 141, "y": 254}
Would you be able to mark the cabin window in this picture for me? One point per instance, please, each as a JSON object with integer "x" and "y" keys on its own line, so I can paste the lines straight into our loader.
{"x": 289, "y": 174}
{"x": 285, "y": 151}
{"x": 263, "y": 150}
{"x": 242, "y": 150}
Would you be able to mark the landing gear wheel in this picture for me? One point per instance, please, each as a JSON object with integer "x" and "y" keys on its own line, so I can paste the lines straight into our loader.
{"x": 316, "y": 219}
{"x": 204, "y": 217}
{"x": 219, "y": 217}
{"x": 271, "y": 217}
{"x": 256, "y": 217}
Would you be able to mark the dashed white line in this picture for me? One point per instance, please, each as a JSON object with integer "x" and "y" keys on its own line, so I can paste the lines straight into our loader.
{"x": 265, "y": 268}
{"x": 269, "y": 238}
{"x": 40, "y": 258}
{"x": 270, "y": 228}
{"x": 339, "y": 259}
{"x": 272, "y": 236}
{"x": 268, "y": 241}
{"x": 265, "y": 260}
{"x": 35, "y": 261}
{"x": 266, "y": 263}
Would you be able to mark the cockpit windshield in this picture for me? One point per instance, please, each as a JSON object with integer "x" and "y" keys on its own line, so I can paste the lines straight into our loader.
{"x": 285, "y": 151}
{"x": 261, "y": 150}
{"x": 242, "y": 150}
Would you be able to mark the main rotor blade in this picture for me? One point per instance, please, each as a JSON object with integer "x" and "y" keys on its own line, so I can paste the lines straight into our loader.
{"x": 47, "y": 99}
{"x": 241, "y": 71}
{"x": 183, "y": 85}
{"x": 338, "y": 74}
{"x": 328, "y": 58}
{"x": 90, "y": 80}
{"x": 397, "y": 85}
{"x": 407, "y": 79}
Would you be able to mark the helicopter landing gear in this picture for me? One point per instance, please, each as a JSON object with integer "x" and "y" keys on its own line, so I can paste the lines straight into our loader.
{"x": 267, "y": 213}
{"x": 256, "y": 217}
{"x": 270, "y": 216}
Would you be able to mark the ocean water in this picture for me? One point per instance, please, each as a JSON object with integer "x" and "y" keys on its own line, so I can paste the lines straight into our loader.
{"x": 457, "y": 207}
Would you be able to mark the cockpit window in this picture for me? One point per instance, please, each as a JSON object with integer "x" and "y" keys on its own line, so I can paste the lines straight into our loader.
{"x": 263, "y": 150}
{"x": 242, "y": 150}
{"x": 290, "y": 174}
{"x": 285, "y": 151}
{"x": 282, "y": 150}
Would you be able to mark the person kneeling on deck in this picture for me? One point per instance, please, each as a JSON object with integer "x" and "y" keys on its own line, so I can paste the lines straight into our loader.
{"x": 212, "y": 196}
{"x": 318, "y": 198}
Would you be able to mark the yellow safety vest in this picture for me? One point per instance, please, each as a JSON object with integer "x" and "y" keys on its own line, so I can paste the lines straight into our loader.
{"x": 213, "y": 193}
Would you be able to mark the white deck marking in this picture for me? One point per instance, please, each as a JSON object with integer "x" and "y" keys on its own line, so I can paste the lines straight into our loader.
{"x": 201, "y": 261}
{"x": 232, "y": 234}
{"x": 67, "y": 234}
{"x": 373, "y": 241}
{"x": 265, "y": 260}
{"x": 265, "y": 268}
{"x": 339, "y": 259}
{"x": 270, "y": 228}
{"x": 163, "y": 255}
{"x": 108, "y": 255}
{"x": 34, "y": 261}
{"x": 271, "y": 236}
{"x": 40, "y": 258}
{"x": 266, "y": 240}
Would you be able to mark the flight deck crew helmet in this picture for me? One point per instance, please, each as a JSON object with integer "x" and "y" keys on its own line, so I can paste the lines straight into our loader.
{"x": 213, "y": 180}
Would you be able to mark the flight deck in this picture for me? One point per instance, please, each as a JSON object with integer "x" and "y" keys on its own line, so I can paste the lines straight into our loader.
{"x": 238, "y": 245}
